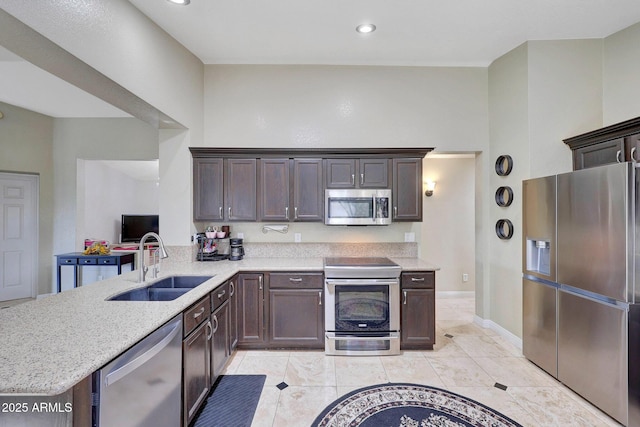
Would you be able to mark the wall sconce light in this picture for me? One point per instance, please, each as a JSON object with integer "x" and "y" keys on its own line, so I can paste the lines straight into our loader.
{"x": 431, "y": 185}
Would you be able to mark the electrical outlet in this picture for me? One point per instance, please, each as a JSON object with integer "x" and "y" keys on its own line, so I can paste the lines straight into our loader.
{"x": 410, "y": 237}
{"x": 297, "y": 237}
{"x": 240, "y": 235}
{"x": 465, "y": 277}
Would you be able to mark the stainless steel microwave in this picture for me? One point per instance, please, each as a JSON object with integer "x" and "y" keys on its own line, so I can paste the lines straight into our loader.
{"x": 357, "y": 207}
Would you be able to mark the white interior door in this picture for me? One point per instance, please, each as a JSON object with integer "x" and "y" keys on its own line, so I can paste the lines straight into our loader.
{"x": 18, "y": 235}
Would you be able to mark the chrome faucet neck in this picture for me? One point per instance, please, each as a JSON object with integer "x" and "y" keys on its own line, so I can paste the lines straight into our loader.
{"x": 161, "y": 251}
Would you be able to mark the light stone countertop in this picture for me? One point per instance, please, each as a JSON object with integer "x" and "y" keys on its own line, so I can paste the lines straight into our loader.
{"x": 49, "y": 345}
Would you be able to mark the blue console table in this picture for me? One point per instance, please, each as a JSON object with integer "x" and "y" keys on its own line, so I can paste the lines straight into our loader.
{"x": 78, "y": 260}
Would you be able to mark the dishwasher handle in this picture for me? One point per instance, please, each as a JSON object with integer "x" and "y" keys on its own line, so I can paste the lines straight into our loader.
{"x": 151, "y": 350}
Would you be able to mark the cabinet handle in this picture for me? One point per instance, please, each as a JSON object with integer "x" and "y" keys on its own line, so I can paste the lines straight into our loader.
{"x": 220, "y": 212}
{"x": 417, "y": 279}
{"x": 395, "y": 211}
{"x": 210, "y": 334}
{"x": 618, "y": 156}
{"x": 260, "y": 282}
{"x": 199, "y": 313}
{"x": 215, "y": 322}
{"x": 633, "y": 154}
{"x": 286, "y": 212}
{"x": 361, "y": 179}
{"x": 221, "y": 294}
{"x": 319, "y": 297}
{"x": 229, "y": 212}
{"x": 233, "y": 289}
{"x": 404, "y": 297}
{"x": 295, "y": 213}
{"x": 295, "y": 279}
{"x": 353, "y": 179}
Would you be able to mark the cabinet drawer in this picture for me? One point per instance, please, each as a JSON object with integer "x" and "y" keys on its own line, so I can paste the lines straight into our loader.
{"x": 295, "y": 280}
{"x": 67, "y": 261}
{"x": 419, "y": 279}
{"x": 196, "y": 314}
{"x": 87, "y": 261}
{"x": 107, "y": 261}
{"x": 219, "y": 295}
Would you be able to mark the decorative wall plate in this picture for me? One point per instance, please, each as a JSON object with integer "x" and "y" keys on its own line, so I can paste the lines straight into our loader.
{"x": 504, "y": 196}
{"x": 504, "y": 165}
{"x": 504, "y": 229}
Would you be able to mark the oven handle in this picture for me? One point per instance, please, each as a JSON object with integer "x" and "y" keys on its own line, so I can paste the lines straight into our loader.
{"x": 391, "y": 336}
{"x": 363, "y": 282}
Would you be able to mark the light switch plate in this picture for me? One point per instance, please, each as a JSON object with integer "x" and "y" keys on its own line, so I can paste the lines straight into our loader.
{"x": 297, "y": 237}
{"x": 410, "y": 237}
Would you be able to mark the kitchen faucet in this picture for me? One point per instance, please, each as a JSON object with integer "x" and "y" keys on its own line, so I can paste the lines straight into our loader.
{"x": 163, "y": 253}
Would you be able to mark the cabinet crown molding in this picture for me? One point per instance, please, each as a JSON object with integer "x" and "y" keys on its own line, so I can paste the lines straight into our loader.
{"x": 617, "y": 130}
{"x": 231, "y": 152}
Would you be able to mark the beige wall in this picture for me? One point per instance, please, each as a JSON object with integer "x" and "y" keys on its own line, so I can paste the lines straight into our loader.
{"x": 91, "y": 139}
{"x": 448, "y": 229}
{"x": 621, "y": 91}
{"x": 26, "y": 145}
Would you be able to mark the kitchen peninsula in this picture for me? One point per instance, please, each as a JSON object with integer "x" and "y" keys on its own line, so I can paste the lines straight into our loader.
{"x": 50, "y": 347}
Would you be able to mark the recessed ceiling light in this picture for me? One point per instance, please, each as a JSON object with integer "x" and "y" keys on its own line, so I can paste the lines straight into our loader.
{"x": 365, "y": 28}
{"x": 180, "y": 2}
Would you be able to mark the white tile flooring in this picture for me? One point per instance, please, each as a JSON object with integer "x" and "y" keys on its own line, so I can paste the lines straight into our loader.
{"x": 469, "y": 364}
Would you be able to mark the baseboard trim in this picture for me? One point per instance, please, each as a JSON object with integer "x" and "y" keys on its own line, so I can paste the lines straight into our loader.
{"x": 44, "y": 295}
{"x": 455, "y": 294}
{"x": 490, "y": 324}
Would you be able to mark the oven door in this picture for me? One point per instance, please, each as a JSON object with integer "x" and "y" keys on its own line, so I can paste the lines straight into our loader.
{"x": 362, "y": 316}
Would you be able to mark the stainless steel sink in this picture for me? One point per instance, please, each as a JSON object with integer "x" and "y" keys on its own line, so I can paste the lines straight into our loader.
{"x": 166, "y": 289}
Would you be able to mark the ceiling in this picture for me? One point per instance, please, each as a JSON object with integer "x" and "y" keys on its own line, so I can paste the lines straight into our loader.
{"x": 409, "y": 33}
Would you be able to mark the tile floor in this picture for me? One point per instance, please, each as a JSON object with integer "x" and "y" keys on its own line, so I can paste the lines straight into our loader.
{"x": 469, "y": 363}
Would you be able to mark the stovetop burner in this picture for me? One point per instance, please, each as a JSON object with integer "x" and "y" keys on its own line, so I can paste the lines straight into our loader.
{"x": 360, "y": 267}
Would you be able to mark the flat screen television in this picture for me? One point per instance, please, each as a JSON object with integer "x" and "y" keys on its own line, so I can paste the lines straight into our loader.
{"x": 136, "y": 226}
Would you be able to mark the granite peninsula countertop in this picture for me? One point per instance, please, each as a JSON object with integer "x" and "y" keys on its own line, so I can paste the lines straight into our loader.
{"x": 49, "y": 345}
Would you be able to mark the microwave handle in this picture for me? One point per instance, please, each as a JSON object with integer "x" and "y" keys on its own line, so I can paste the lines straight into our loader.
{"x": 375, "y": 208}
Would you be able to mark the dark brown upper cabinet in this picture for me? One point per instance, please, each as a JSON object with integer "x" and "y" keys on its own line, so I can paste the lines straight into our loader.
{"x": 616, "y": 143}
{"x": 407, "y": 189}
{"x": 208, "y": 189}
{"x": 357, "y": 173}
{"x": 290, "y": 189}
{"x": 241, "y": 190}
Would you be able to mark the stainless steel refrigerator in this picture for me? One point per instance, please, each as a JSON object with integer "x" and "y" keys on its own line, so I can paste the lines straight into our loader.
{"x": 581, "y": 324}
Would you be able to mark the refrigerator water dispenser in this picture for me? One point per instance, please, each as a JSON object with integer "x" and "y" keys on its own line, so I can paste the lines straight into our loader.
{"x": 539, "y": 256}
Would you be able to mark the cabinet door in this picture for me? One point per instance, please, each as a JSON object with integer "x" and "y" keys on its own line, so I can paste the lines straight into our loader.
{"x": 417, "y": 324}
{"x": 599, "y": 154}
{"x": 340, "y": 173}
{"x": 233, "y": 315}
{"x": 407, "y": 189}
{"x": 374, "y": 173}
{"x": 274, "y": 189}
{"x": 220, "y": 340}
{"x": 208, "y": 189}
{"x": 196, "y": 370}
{"x": 241, "y": 190}
{"x": 632, "y": 148}
{"x": 250, "y": 309}
{"x": 308, "y": 194}
{"x": 296, "y": 318}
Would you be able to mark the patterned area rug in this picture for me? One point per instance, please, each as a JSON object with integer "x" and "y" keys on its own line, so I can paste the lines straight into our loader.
{"x": 408, "y": 405}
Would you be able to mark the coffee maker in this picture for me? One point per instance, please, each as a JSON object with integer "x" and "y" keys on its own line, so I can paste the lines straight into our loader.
{"x": 237, "y": 251}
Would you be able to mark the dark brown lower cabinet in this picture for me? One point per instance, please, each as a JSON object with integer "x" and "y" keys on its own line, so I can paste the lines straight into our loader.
{"x": 196, "y": 370}
{"x": 417, "y": 311}
{"x": 296, "y": 318}
{"x": 233, "y": 314}
{"x": 220, "y": 342}
{"x": 251, "y": 320}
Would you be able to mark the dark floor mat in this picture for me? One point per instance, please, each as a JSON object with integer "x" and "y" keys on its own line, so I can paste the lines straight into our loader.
{"x": 232, "y": 401}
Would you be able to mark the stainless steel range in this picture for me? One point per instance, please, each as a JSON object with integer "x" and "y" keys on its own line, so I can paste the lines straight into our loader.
{"x": 362, "y": 306}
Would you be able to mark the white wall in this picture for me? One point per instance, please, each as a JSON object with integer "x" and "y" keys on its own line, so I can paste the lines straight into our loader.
{"x": 99, "y": 212}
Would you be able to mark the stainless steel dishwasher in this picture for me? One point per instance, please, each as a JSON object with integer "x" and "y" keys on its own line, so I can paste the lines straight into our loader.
{"x": 142, "y": 386}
